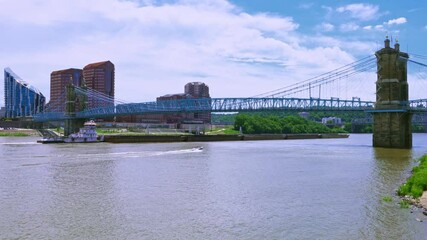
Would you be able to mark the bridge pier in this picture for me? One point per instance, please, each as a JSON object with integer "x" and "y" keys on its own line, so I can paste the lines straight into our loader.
{"x": 392, "y": 130}
{"x": 71, "y": 124}
{"x": 392, "y": 121}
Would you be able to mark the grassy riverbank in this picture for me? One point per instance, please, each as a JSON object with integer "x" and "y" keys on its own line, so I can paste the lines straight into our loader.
{"x": 417, "y": 183}
{"x": 18, "y": 133}
{"x": 13, "y": 134}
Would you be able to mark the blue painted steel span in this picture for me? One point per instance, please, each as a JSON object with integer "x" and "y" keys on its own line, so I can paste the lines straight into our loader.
{"x": 231, "y": 105}
{"x": 416, "y": 119}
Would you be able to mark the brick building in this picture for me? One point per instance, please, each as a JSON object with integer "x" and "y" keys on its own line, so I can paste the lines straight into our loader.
{"x": 100, "y": 77}
{"x": 197, "y": 90}
{"x": 58, "y": 81}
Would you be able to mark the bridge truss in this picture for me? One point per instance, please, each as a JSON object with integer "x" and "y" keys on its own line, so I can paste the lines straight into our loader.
{"x": 214, "y": 105}
{"x": 229, "y": 105}
{"x": 277, "y": 100}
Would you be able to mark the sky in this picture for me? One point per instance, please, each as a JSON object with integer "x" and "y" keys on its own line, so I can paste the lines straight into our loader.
{"x": 239, "y": 48}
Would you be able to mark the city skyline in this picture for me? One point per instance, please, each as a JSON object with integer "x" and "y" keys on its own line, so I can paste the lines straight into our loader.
{"x": 238, "y": 48}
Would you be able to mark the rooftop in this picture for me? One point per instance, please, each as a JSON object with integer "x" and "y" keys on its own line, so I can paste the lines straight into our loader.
{"x": 22, "y": 82}
{"x": 64, "y": 71}
{"x": 97, "y": 64}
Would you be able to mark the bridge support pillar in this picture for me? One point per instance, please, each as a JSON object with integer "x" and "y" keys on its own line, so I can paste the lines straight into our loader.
{"x": 392, "y": 122}
{"x": 72, "y": 124}
{"x": 392, "y": 130}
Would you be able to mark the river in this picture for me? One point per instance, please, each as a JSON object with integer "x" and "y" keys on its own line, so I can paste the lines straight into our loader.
{"x": 290, "y": 189}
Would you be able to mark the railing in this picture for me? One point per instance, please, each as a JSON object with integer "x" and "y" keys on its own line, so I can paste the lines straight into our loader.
{"x": 215, "y": 105}
{"x": 232, "y": 105}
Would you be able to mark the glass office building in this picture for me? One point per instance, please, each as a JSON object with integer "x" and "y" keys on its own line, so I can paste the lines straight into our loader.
{"x": 20, "y": 98}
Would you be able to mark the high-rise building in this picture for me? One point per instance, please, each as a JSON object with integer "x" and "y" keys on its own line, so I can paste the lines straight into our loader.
{"x": 2, "y": 112}
{"x": 20, "y": 98}
{"x": 197, "y": 90}
{"x": 100, "y": 77}
{"x": 58, "y": 81}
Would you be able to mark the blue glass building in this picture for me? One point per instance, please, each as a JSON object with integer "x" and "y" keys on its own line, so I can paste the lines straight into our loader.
{"x": 20, "y": 98}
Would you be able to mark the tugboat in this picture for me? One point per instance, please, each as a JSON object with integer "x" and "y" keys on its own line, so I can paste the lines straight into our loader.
{"x": 86, "y": 134}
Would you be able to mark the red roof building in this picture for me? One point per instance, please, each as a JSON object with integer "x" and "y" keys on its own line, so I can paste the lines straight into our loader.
{"x": 58, "y": 81}
{"x": 100, "y": 77}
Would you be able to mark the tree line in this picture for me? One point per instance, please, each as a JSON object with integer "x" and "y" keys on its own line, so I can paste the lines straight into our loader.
{"x": 254, "y": 124}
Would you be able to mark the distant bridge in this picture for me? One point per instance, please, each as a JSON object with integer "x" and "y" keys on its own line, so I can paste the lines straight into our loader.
{"x": 419, "y": 118}
{"x": 229, "y": 105}
{"x": 392, "y": 111}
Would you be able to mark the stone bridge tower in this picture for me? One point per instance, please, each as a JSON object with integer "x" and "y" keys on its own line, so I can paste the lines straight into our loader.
{"x": 392, "y": 120}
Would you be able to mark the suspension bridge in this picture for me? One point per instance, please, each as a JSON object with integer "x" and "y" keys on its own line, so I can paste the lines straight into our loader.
{"x": 391, "y": 95}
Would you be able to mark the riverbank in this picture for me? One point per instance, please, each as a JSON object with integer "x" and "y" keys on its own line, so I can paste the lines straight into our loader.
{"x": 209, "y": 138}
{"x": 414, "y": 189}
{"x": 423, "y": 200}
{"x": 18, "y": 132}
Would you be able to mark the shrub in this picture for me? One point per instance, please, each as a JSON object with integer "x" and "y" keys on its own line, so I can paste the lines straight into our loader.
{"x": 404, "y": 204}
{"x": 387, "y": 199}
{"x": 417, "y": 183}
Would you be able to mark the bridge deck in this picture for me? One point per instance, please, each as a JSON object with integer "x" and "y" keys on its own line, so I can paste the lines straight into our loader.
{"x": 229, "y": 105}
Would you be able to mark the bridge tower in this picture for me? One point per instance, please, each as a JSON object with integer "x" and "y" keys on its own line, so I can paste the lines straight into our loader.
{"x": 392, "y": 121}
{"x": 72, "y": 124}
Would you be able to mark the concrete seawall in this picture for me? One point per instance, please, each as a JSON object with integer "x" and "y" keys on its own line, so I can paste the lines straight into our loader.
{"x": 210, "y": 138}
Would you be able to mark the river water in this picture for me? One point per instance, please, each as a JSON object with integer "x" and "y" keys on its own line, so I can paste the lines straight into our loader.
{"x": 291, "y": 189}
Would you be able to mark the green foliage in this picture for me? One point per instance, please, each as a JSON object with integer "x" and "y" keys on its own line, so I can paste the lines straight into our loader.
{"x": 253, "y": 124}
{"x": 418, "y": 129}
{"x": 228, "y": 131}
{"x": 59, "y": 130}
{"x": 217, "y": 118}
{"x": 404, "y": 204}
{"x": 13, "y": 134}
{"x": 367, "y": 129}
{"x": 387, "y": 199}
{"x": 107, "y": 130}
{"x": 417, "y": 183}
{"x": 347, "y": 127}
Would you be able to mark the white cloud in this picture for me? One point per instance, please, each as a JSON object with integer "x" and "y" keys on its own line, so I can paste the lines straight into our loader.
{"x": 158, "y": 48}
{"x": 306, "y": 5}
{"x": 346, "y": 45}
{"x": 379, "y": 27}
{"x": 396, "y": 21}
{"x": 325, "y": 27}
{"x": 414, "y": 10}
{"x": 348, "y": 27}
{"x": 360, "y": 11}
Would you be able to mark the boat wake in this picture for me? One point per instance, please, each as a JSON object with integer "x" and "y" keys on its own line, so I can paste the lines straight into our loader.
{"x": 141, "y": 154}
{"x": 191, "y": 150}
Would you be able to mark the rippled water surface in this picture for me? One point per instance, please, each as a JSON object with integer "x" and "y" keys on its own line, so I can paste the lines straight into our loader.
{"x": 301, "y": 189}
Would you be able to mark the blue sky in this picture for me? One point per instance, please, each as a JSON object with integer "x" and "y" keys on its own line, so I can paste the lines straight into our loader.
{"x": 239, "y": 48}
